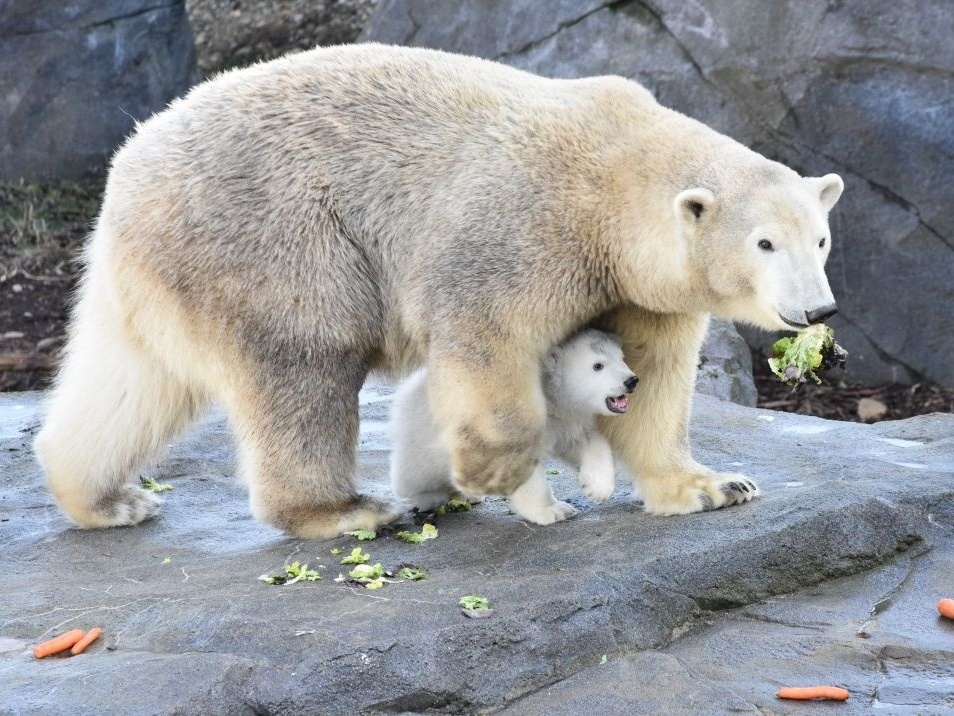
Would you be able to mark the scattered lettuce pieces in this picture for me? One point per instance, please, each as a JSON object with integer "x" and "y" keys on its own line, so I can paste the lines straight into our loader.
{"x": 552, "y": 471}
{"x": 356, "y": 557}
{"x": 454, "y": 506}
{"x": 363, "y": 535}
{"x": 166, "y": 560}
{"x": 809, "y": 350}
{"x": 294, "y": 572}
{"x": 367, "y": 571}
{"x": 428, "y": 531}
{"x": 412, "y": 574}
{"x": 370, "y": 575}
{"x": 474, "y": 603}
{"x": 336, "y": 550}
{"x": 147, "y": 483}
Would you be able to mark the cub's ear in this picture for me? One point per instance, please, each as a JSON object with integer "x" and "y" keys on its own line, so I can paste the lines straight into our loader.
{"x": 693, "y": 206}
{"x": 829, "y": 188}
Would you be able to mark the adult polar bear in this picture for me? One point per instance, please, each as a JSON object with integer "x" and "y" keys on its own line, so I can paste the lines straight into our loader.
{"x": 285, "y": 228}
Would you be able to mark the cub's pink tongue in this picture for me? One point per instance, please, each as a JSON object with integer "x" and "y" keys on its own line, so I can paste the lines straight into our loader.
{"x": 620, "y": 403}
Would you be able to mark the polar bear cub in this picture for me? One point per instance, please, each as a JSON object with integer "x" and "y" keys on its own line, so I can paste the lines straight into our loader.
{"x": 583, "y": 377}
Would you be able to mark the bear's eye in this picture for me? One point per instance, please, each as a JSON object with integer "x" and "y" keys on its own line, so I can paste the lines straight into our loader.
{"x": 766, "y": 245}
{"x": 597, "y": 366}
{"x": 821, "y": 244}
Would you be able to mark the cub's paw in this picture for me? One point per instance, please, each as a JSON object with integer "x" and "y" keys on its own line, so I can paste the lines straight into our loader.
{"x": 598, "y": 487}
{"x": 534, "y": 501}
{"x": 684, "y": 493}
{"x": 556, "y": 511}
{"x": 129, "y": 505}
{"x": 427, "y": 501}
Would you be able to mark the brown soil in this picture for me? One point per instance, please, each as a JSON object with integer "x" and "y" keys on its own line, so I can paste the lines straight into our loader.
{"x": 42, "y": 227}
{"x": 837, "y": 400}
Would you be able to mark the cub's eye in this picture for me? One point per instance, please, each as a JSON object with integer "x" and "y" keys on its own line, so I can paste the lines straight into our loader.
{"x": 597, "y": 366}
{"x": 821, "y": 244}
{"x": 766, "y": 245}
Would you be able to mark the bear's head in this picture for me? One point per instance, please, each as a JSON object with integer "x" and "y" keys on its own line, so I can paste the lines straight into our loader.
{"x": 759, "y": 245}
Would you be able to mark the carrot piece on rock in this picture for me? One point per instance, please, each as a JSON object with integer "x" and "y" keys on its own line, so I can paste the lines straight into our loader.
{"x": 806, "y": 693}
{"x": 58, "y": 644}
{"x": 91, "y": 636}
{"x": 945, "y": 608}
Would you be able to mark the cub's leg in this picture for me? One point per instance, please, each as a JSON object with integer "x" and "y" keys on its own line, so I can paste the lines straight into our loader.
{"x": 298, "y": 427}
{"x": 534, "y": 501}
{"x": 114, "y": 405}
{"x": 597, "y": 476}
{"x": 653, "y": 436}
{"x": 420, "y": 462}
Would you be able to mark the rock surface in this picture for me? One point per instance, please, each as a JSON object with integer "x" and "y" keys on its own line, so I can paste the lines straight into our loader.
{"x": 189, "y": 629}
{"x": 865, "y": 89}
{"x": 76, "y": 75}
{"x": 725, "y": 365}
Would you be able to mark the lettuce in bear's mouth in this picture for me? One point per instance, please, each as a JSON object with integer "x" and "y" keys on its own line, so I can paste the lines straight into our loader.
{"x": 617, "y": 404}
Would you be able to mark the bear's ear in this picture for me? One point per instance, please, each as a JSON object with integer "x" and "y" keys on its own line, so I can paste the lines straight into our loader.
{"x": 829, "y": 188}
{"x": 693, "y": 206}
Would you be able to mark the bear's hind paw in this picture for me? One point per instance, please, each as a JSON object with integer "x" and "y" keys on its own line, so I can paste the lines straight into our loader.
{"x": 129, "y": 505}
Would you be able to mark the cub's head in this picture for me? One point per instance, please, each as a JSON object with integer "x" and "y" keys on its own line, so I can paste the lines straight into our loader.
{"x": 587, "y": 374}
{"x": 760, "y": 246}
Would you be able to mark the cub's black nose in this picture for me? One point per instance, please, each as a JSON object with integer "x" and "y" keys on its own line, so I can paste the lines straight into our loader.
{"x": 631, "y": 382}
{"x": 820, "y": 315}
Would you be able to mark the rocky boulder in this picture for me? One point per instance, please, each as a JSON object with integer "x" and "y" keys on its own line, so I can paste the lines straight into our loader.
{"x": 865, "y": 89}
{"x": 725, "y": 365}
{"x": 75, "y": 76}
{"x": 188, "y": 627}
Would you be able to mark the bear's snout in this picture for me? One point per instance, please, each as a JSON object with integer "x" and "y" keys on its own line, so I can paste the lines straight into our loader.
{"x": 630, "y": 383}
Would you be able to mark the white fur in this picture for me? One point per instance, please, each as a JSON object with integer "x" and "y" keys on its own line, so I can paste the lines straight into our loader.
{"x": 575, "y": 394}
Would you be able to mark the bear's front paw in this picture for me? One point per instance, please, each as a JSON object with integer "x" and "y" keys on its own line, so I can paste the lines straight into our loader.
{"x": 682, "y": 493}
{"x": 598, "y": 486}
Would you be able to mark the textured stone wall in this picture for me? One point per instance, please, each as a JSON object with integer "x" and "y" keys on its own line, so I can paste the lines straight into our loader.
{"x": 75, "y": 75}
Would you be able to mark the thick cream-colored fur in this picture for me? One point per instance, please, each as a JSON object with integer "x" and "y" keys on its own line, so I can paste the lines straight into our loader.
{"x": 285, "y": 228}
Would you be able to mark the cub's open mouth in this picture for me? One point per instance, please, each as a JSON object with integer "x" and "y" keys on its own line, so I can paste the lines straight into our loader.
{"x": 618, "y": 404}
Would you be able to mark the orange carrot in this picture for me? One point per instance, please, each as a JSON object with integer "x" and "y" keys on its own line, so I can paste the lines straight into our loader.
{"x": 60, "y": 643}
{"x": 805, "y": 693}
{"x": 945, "y": 608}
{"x": 91, "y": 636}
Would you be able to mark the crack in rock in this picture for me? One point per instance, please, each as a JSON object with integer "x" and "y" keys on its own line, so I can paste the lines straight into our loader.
{"x": 93, "y": 25}
{"x": 529, "y": 45}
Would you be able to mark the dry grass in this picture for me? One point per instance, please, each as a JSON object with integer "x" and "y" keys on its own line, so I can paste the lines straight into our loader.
{"x": 42, "y": 225}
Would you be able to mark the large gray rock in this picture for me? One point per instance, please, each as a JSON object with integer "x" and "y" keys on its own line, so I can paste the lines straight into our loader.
{"x": 76, "y": 75}
{"x": 861, "y": 87}
{"x": 189, "y": 629}
{"x": 725, "y": 365}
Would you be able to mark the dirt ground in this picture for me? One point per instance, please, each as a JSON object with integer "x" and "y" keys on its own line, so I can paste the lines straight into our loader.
{"x": 42, "y": 226}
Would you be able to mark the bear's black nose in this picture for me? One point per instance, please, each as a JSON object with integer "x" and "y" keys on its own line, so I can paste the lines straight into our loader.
{"x": 819, "y": 315}
{"x": 631, "y": 382}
